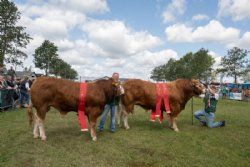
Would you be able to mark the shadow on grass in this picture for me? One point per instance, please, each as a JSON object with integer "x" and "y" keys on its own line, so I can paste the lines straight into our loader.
{"x": 66, "y": 133}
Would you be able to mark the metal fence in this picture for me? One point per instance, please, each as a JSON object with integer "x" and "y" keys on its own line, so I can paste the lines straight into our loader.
{"x": 6, "y": 98}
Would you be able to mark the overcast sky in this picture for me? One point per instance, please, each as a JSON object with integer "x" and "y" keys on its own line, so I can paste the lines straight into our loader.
{"x": 131, "y": 37}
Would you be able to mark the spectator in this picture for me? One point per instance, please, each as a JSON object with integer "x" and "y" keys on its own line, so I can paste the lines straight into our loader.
{"x": 10, "y": 93}
{"x": 9, "y": 83}
{"x": 24, "y": 92}
{"x": 31, "y": 80}
{"x": 1, "y": 82}
{"x": 18, "y": 94}
{"x": 224, "y": 92}
{"x": 11, "y": 72}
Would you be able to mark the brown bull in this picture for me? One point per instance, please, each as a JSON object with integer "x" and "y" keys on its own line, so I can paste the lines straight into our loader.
{"x": 143, "y": 93}
{"x": 63, "y": 95}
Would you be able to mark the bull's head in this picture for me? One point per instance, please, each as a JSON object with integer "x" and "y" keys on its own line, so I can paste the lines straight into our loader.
{"x": 118, "y": 89}
{"x": 197, "y": 87}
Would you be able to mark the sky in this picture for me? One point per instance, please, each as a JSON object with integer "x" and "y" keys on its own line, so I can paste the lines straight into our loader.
{"x": 131, "y": 37}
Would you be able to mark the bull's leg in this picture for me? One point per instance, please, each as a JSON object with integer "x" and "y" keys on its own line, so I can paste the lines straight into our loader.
{"x": 41, "y": 129}
{"x": 126, "y": 110}
{"x": 92, "y": 130}
{"x": 36, "y": 128}
{"x": 41, "y": 113}
{"x": 170, "y": 121}
{"x": 125, "y": 119}
{"x": 119, "y": 115}
{"x": 92, "y": 119}
{"x": 175, "y": 125}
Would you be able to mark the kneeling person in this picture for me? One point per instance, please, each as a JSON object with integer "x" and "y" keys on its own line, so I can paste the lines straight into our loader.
{"x": 210, "y": 100}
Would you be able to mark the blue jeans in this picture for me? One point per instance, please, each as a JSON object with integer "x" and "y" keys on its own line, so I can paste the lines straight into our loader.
{"x": 24, "y": 97}
{"x": 209, "y": 118}
{"x": 112, "y": 109}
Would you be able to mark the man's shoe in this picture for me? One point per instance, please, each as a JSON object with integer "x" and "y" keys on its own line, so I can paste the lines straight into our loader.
{"x": 100, "y": 129}
{"x": 203, "y": 123}
{"x": 223, "y": 123}
{"x": 26, "y": 105}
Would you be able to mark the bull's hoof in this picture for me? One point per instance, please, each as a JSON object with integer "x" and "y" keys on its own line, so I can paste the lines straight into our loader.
{"x": 44, "y": 138}
{"x": 176, "y": 130}
{"x": 36, "y": 136}
{"x": 170, "y": 127}
{"x": 94, "y": 138}
{"x": 85, "y": 130}
{"x": 127, "y": 127}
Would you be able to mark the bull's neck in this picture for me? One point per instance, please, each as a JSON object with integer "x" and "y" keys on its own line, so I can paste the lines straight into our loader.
{"x": 187, "y": 94}
{"x": 189, "y": 97}
{"x": 109, "y": 92}
{"x": 109, "y": 95}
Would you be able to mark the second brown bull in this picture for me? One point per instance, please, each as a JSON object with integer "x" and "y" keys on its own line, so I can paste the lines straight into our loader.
{"x": 143, "y": 93}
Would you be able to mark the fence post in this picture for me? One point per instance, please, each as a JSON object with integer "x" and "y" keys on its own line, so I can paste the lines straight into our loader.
{"x": 192, "y": 110}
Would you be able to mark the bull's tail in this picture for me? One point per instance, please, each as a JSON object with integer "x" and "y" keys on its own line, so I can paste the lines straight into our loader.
{"x": 30, "y": 112}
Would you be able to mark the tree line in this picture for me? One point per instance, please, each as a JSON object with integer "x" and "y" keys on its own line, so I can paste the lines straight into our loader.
{"x": 199, "y": 65}
{"x": 13, "y": 38}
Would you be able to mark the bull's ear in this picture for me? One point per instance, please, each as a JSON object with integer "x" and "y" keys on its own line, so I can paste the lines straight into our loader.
{"x": 115, "y": 83}
{"x": 193, "y": 82}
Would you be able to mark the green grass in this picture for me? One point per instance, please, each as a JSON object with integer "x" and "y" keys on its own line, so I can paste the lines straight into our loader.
{"x": 145, "y": 144}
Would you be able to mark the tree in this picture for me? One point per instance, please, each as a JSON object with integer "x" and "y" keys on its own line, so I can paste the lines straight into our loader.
{"x": 235, "y": 63}
{"x": 202, "y": 65}
{"x": 58, "y": 66}
{"x": 158, "y": 73}
{"x": 62, "y": 69}
{"x": 12, "y": 37}
{"x": 246, "y": 77}
{"x": 27, "y": 69}
{"x": 163, "y": 72}
{"x": 72, "y": 74}
{"x": 45, "y": 55}
{"x": 192, "y": 65}
{"x": 68, "y": 72}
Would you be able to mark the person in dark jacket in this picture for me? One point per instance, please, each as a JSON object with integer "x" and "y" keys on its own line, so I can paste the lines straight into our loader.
{"x": 112, "y": 107}
{"x": 24, "y": 92}
{"x": 210, "y": 100}
{"x": 9, "y": 83}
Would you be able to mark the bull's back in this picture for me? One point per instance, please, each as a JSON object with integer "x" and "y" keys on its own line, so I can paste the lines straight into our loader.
{"x": 59, "y": 93}
{"x": 140, "y": 93}
{"x": 64, "y": 94}
{"x": 143, "y": 93}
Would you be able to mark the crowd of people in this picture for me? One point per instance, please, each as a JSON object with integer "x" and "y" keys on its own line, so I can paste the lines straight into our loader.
{"x": 17, "y": 88}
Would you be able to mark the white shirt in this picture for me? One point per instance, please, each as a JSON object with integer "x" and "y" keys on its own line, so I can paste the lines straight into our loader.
{"x": 216, "y": 96}
{"x": 27, "y": 85}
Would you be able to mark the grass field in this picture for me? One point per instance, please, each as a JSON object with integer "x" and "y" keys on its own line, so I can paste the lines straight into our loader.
{"x": 145, "y": 144}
